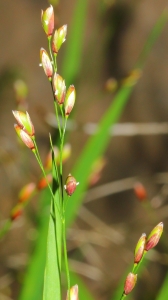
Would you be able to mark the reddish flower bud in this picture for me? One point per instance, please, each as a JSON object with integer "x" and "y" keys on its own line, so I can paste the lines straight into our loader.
{"x": 140, "y": 191}
{"x": 27, "y": 191}
{"x": 59, "y": 38}
{"x": 139, "y": 249}
{"x": 47, "y": 19}
{"x": 26, "y": 139}
{"x": 43, "y": 183}
{"x": 73, "y": 293}
{"x": 24, "y": 122}
{"x": 154, "y": 237}
{"x": 69, "y": 100}
{"x": 16, "y": 212}
{"x": 59, "y": 88}
{"x": 130, "y": 283}
{"x": 46, "y": 63}
{"x": 70, "y": 185}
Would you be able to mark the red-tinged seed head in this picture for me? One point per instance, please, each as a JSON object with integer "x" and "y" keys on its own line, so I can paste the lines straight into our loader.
{"x": 46, "y": 63}
{"x": 154, "y": 237}
{"x": 24, "y": 122}
{"x": 70, "y": 185}
{"x": 59, "y": 38}
{"x": 26, "y": 139}
{"x": 59, "y": 88}
{"x": 140, "y": 191}
{"x": 69, "y": 100}
{"x": 130, "y": 283}
{"x": 16, "y": 212}
{"x": 47, "y": 19}
{"x": 27, "y": 191}
{"x": 139, "y": 249}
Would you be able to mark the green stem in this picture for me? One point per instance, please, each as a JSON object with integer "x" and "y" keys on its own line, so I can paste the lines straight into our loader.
{"x": 66, "y": 257}
{"x": 55, "y": 62}
{"x": 37, "y": 155}
{"x": 5, "y": 228}
{"x": 50, "y": 50}
{"x": 123, "y": 296}
{"x": 136, "y": 266}
{"x": 61, "y": 150}
{"x": 56, "y": 112}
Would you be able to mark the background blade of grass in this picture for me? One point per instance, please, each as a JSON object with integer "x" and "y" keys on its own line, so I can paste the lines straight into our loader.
{"x": 98, "y": 143}
{"x": 163, "y": 293}
{"x": 74, "y": 44}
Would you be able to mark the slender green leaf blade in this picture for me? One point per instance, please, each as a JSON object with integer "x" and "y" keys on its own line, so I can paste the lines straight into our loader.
{"x": 163, "y": 293}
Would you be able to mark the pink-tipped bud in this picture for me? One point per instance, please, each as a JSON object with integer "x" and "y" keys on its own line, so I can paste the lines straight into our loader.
{"x": 130, "y": 283}
{"x": 59, "y": 88}
{"x": 26, "y": 139}
{"x": 139, "y": 249}
{"x": 73, "y": 293}
{"x": 24, "y": 122}
{"x": 16, "y": 212}
{"x": 27, "y": 191}
{"x": 47, "y": 19}
{"x": 46, "y": 63}
{"x": 154, "y": 237}
{"x": 43, "y": 182}
{"x": 70, "y": 185}
{"x": 59, "y": 38}
{"x": 69, "y": 100}
{"x": 140, "y": 191}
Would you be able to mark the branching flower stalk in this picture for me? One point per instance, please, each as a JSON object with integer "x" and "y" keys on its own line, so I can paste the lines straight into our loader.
{"x": 143, "y": 246}
{"x": 63, "y": 103}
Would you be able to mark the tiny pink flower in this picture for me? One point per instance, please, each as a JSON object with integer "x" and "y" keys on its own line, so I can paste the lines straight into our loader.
{"x": 69, "y": 100}
{"x": 24, "y": 122}
{"x": 59, "y": 38}
{"x": 139, "y": 249}
{"x": 47, "y": 19}
{"x": 46, "y": 63}
{"x": 26, "y": 139}
{"x": 70, "y": 185}
{"x": 154, "y": 237}
{"x": 130, "y": 283}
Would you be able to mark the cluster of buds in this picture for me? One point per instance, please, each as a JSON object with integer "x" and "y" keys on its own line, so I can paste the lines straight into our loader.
{"x": 63, "y": 97}
{"x": 25, "y": 129}
{"x": 144, "y": 244}
{"x": 58, "y": 83}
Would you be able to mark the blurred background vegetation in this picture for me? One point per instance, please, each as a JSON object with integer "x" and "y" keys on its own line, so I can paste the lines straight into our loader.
{"x": 101, "y": 241}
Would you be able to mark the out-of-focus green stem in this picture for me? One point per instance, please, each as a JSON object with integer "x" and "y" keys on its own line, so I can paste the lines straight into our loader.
{"x": 5, "y": 228}
{"x": 123, "y": 297}
{"x": 66, "y": 258}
